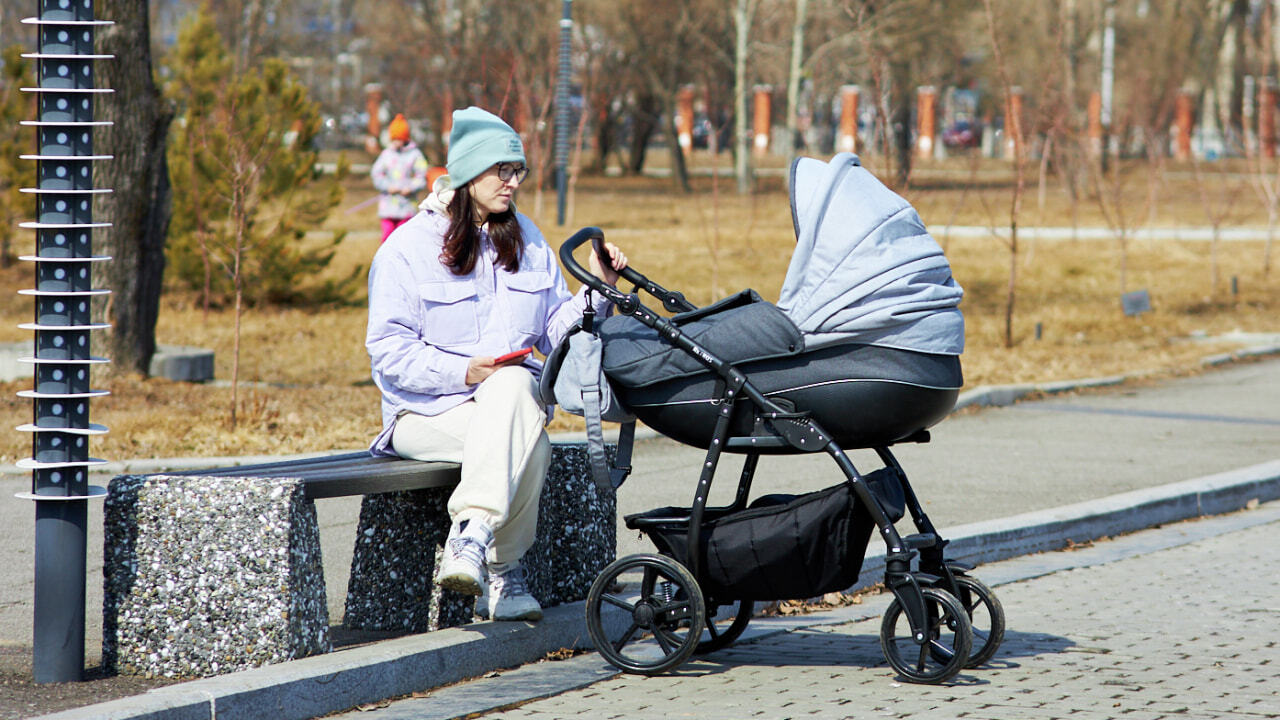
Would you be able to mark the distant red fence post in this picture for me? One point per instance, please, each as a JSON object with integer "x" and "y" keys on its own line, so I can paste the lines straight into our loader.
{"x": 1183, "y": 114}
{"x": 1095, "y": 124}
{"x": 848, "y": 137}
{"x": 762, "y": 117}
{"x": 1013, "y": 124}
{"x": 684, "y": 117}
{"x": 926, "y": 120}
{"x": 446, "y": 119}
{"x": 373, "y": 106}
{"x": 1267, "y": 119}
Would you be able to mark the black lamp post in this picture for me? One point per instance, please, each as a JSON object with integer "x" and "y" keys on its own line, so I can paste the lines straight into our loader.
{"x": 562, "y": 109}
{"x": 64, "y": 256}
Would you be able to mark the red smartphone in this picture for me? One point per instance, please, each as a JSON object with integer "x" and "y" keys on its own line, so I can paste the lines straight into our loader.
{"x": 512, "y": 355}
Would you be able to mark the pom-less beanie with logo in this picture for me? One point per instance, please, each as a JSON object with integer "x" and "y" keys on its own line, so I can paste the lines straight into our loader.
{"x": 479, "y": 140}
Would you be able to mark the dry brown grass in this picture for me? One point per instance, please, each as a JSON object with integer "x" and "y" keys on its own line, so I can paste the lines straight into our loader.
{"x": 306, "y": 371}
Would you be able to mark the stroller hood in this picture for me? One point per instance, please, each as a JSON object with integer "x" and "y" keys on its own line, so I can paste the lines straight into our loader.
{"x": 865, "y": 269}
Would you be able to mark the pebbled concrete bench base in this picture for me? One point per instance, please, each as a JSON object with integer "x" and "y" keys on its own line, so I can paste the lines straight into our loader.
{"x": 206, "y": 574}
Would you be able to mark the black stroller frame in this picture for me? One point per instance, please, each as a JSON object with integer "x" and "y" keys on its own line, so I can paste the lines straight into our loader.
{"x": 938, "y": 599}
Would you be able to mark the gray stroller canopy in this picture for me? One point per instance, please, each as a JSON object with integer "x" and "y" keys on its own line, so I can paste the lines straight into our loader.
{"x": 865, "y": 269}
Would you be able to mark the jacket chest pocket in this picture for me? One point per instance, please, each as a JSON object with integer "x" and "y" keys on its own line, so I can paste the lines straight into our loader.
{"x": 528, "y": 300}
{"x": 450, "y": 313}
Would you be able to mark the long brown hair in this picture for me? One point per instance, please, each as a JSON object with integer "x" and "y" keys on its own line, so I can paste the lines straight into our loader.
{"x": 462, "y": 239}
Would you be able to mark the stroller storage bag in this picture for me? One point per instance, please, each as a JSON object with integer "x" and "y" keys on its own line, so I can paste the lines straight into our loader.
{"x": 782, "y": 547}
{"x": 803, "y": 548}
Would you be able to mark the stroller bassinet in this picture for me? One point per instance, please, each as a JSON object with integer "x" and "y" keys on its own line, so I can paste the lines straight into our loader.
{"x": 865, "y": 336}
{"x": 863, "y": 395}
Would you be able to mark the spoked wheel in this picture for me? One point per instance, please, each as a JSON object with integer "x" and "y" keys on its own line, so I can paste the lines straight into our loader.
{"x": 725, "y": 625}
{"x": 948, "y": 640}
{"x": 661, "y": 626}
{"x": 986, "y": 617}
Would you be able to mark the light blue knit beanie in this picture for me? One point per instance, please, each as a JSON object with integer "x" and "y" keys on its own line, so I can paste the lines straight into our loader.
{"x": 479, "y": 140}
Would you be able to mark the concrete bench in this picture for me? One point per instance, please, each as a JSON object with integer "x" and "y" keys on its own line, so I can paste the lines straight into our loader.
{"x": 219, "y": 570}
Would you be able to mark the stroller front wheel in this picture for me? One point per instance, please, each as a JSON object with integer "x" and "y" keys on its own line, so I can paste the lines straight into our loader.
{"x": 947, "y": 643}
{"x": 658, "y": 628}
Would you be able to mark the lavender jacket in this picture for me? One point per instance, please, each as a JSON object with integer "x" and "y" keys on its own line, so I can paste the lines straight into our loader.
{"x": 425, "y": 323}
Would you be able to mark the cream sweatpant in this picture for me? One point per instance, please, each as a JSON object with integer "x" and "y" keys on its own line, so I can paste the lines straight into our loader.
{"x": 499, "y": 439}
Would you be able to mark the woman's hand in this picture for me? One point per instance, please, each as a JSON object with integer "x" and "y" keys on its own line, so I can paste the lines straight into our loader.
{"x": 481, "y": 367}
{"x": 617, "y": 261}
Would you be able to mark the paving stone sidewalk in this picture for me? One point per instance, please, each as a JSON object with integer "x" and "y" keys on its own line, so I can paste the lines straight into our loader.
{"x": 1177, "y": 622}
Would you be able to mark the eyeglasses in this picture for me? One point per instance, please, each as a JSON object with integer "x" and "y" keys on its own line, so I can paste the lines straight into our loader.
{"x": 507, "y": 170}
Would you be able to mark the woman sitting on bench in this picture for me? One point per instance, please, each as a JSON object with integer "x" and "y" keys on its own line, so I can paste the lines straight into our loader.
{"x": 454, "y": 295}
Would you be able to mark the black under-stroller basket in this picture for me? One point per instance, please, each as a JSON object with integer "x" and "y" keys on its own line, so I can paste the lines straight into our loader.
{"x": 782, "y": 547}
{"x": 863, "y": 395}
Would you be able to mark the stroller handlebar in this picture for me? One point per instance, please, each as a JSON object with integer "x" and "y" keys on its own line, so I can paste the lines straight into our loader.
{"x": 629, "y": 304}
{"x": 672, "y": 301}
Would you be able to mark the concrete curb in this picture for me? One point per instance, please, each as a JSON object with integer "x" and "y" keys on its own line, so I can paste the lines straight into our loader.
{"x": 324, "y": 684}
{"x": 1047, "y": 530}
{"x": 1000, "y": 395}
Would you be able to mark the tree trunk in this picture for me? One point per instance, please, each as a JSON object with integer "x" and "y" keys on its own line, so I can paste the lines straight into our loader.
{"x": 604, "y": 133}
{"x": 742, "y": 17}
{"x": 793, "y": 77}
{"x": 902, "y": 130}
{"x": 644, "y": 122}
{"x": 139, "y": 207}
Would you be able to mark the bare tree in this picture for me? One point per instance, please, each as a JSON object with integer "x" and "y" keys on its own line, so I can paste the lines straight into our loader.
{"x": 906, "y": 43}
{"x": 679, "y": 41}
{"x": 1265, "y": 171}
{"x": 1218, "y": 196}
{"x": 139, "y": 207}
{"x": 793, "y": 74}
{"x": 1013, "y": 126}
{"x": 1109, "y": 189}
{"x": 744, "y": 12}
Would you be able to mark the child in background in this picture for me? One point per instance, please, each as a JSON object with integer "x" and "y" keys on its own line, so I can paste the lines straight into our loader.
{"x": 399, "y": 173}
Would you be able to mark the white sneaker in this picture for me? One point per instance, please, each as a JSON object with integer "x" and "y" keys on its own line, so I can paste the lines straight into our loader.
{"x": 462, "y": 565}
{"x": 508, "y": 596}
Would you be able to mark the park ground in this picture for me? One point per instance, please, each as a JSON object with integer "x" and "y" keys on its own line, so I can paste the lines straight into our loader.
{"x": 304, "y": 376}
{"x": 304, "y": 373}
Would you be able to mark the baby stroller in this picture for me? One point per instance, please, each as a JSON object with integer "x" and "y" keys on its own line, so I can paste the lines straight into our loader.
{"x": 820, "y": 372}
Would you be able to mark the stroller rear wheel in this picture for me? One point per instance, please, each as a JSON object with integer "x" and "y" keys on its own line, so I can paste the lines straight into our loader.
{"x": 948, "y": 640}
{"x": 659, "y": 628}
{"x": 725, "y": 624}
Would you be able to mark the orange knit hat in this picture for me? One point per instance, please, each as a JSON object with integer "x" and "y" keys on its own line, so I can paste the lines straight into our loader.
{"x": 399, "y": 129}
